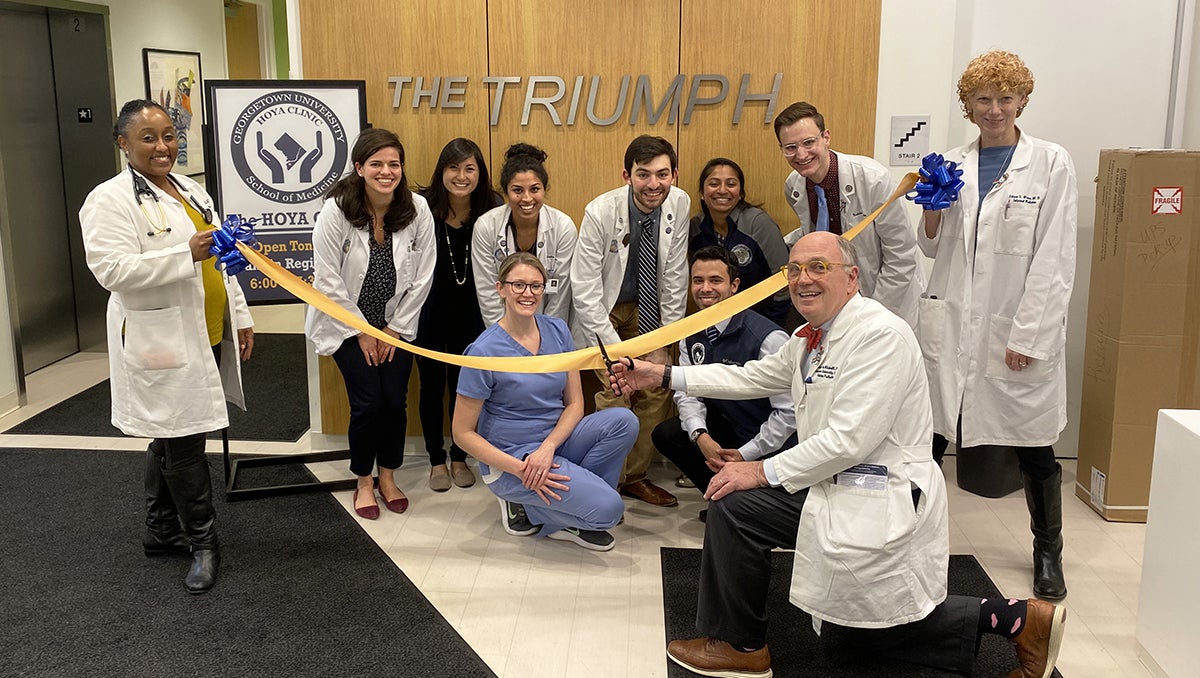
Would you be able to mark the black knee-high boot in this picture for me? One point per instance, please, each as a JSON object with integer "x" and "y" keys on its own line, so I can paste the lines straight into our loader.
{"x": 163, "y": 535}
{"x": 1044, "y": 499}
{"x": 191, "y": 487}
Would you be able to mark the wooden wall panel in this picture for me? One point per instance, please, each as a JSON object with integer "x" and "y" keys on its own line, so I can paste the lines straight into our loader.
{"x": 374, "y": 39}
{"x": 828, "y": 55}
{"x": 566, "y": 38}
{"x": 827, "y": 51}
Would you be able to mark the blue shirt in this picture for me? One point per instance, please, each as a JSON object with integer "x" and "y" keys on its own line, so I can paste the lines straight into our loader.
{"x": 519, "y": 410}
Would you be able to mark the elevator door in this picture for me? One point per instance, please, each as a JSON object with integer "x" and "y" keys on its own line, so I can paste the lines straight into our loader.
{"x": 58, "y": 307}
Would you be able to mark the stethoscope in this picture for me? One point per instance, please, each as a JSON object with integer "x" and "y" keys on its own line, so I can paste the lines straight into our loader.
{"x": 142, "y": 191}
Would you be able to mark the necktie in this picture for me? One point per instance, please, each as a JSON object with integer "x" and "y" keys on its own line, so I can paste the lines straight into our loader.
{"x": 822, "y": 208}
{"x": 647, "y": 291}
{"x": 811, "y": 334}
{"x": 712, "y": 333}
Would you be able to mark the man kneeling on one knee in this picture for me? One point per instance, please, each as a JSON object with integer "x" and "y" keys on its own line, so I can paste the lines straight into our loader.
{"x": 710, "y": 431}
{"x": 859, "y": 497}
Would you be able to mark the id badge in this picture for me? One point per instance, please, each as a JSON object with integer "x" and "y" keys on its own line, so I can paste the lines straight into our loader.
{"x": 552, "y": 286}
{"x": 864, "y": 477}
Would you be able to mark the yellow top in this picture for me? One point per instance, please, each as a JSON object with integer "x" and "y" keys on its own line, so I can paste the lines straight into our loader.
{"x": 215, "y": 297}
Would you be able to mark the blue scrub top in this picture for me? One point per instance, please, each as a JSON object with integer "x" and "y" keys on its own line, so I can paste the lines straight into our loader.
{"x": 519, "y": 410}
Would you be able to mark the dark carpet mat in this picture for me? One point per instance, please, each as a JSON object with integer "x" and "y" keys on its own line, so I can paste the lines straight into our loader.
{"x": 795, "y": 649}
{"x": 274, "y": 380}
{"x": 302, "y": 592}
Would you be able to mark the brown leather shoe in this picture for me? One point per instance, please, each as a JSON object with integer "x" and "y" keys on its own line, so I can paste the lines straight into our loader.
{"x": 713, "y": 657}
{"x": 1037, "y": 644}
{"x": 649, "y": 492}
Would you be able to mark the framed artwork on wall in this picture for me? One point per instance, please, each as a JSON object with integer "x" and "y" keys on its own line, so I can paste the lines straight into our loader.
{"x": 173, "y": 80}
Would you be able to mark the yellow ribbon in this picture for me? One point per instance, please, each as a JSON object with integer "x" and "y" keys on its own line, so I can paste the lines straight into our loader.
{"x": 582, "y": 359}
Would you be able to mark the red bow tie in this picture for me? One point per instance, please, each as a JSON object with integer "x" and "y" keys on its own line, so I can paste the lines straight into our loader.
{"x": 812, "y": 334}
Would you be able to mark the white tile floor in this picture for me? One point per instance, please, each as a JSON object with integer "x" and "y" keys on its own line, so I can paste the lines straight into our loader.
{"x": 604, "y": 610}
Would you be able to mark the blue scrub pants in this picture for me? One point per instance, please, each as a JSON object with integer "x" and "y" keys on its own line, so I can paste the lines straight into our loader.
{"x": 592, "y": 457}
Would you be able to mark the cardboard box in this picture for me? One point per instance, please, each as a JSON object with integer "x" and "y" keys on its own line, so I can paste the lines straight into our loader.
{"x": 1143, "y": 328}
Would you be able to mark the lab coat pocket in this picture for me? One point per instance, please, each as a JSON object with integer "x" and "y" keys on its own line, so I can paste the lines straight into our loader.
{"x": 1017, "y": 229}
{"x": 858, "y": 517}
{"x": 154, "y": 339}
{"x": 931, "y": 326}
{"x": 998, "y": 332}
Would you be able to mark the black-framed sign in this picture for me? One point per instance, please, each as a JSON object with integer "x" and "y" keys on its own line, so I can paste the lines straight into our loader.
{"x": 173, "y": 80}
{"x": 278, "y": 147}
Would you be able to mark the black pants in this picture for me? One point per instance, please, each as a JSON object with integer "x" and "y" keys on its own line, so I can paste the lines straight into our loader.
{"x": 436, "y": 376}
{"x": 675, "y": 444}
{"x": 735, "y": 576}
{"x": 378, "y": 407}
{"x": 1038, "y": 462}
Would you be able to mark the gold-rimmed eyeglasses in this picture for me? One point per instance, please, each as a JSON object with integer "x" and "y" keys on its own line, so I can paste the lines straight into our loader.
{"x": 817, "y": 269}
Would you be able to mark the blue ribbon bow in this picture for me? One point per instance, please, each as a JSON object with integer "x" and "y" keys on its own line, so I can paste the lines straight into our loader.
{"x": 941, "y": 182}
{"x": 224, "y": 246}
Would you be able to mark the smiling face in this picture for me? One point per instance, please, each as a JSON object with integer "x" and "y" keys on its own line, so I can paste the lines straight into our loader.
{"x": 150, "y": 144}
{"x": 806, "y": 149}
{"x": 381, "y": 172}
{"x": 995, "y": 113}
{"x": 711, "y": 283}
{"x": 651, "y": 182}
{"x": 722, "y": 191}
{"x": 820, "y": 299}
{"x": 461, "y": 178}
{"x": 524, "y": 303}
{"x": 525, "y": 193}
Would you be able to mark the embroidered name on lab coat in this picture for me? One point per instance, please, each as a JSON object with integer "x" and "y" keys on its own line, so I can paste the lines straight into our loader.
{"x": 1025, "y": 199}
{"x": 825, "y": 372}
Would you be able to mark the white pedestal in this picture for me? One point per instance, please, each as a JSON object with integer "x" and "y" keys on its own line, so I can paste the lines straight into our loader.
{"x": 1167, "y": 625}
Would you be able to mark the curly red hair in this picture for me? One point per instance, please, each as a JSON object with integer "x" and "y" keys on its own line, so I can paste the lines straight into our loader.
{"x": 1000, "y": 70}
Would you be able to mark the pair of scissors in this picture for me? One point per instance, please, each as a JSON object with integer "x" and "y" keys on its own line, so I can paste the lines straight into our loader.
{"x": 608, "y": 364}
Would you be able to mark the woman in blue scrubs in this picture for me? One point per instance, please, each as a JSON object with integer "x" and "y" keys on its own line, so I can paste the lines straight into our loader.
{"x": 554, "y": 470}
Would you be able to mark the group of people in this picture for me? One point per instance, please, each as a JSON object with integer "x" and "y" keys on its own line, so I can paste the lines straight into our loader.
{"x": 826, "y": 439}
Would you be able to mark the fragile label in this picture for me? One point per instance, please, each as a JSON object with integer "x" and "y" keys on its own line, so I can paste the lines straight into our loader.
{"x": 1167, "y": 200}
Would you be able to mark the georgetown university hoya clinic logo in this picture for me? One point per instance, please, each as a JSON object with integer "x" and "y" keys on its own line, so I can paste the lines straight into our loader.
{"x": 289, "y": 147}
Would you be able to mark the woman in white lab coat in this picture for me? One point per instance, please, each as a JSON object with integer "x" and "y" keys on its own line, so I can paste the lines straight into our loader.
{"x": 373, "y": 253}
{"x": 993, "y": 319}
{"x": 524, "y": 223}
{"x": 172, "y": 322}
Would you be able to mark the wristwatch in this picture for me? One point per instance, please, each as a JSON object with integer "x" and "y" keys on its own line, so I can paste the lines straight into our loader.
{"x": 697, "y": 433}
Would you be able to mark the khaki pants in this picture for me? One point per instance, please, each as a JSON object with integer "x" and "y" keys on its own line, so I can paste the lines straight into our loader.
{"x": 650, "y": 406}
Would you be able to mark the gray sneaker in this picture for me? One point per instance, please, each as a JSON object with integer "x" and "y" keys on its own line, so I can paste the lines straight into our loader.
{"x": 514, "y": 520}
{"x": 593, "y": 540}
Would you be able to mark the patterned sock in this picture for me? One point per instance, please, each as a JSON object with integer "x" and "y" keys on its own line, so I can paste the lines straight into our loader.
{"x": 1002, "y": 616}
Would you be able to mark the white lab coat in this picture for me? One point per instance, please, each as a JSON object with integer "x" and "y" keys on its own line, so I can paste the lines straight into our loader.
{"x": 556, "y": 238}
{"x": 864, "y": 557}
{"x": 888, "y": 265}
{"x": 164, "y": 380}
{"x": 341, "y": 254}
{"x": 1011, "y": 290}
{"x": 601, "y": 255}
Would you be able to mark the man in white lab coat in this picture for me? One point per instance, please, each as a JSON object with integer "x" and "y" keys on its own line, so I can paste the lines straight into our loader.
{"x": 629, "y": 276}
{"x": 831, "y": 191}
{"x": 859, "y": 497}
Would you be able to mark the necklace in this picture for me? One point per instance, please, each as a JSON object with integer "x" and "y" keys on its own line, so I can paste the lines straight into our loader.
{"x": 1004, "y": 166}
{"x": 466, "y": 259}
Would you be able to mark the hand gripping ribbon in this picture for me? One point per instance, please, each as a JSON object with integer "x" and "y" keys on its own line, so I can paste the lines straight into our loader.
{"x": 941, "y": 180}
{"x": 224, "y": 247}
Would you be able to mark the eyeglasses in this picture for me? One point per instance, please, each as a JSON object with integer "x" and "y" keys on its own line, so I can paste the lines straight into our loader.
{"x": 817, "y": 269}
{"x": 807, "y": 144}
{"x": 519, "y": 287}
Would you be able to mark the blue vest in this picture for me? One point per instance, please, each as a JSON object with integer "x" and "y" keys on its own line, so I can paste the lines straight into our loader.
{"x": 740, "y": 343}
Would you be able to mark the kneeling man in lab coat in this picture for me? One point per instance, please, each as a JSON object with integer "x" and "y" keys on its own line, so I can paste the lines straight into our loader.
{"x": 859, "y": 497}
